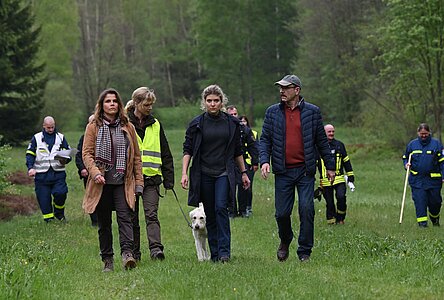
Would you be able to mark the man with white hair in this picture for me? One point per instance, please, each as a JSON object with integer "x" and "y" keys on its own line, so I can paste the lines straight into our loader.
{"x": 344, "y": 175}
{"x": 48, "y": 170}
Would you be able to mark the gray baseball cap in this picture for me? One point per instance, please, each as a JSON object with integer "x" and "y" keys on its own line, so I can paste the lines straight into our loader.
{"x": 289, "y": 80}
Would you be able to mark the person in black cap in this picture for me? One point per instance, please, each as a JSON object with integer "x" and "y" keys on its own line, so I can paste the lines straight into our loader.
{"x": 292, "y": 135}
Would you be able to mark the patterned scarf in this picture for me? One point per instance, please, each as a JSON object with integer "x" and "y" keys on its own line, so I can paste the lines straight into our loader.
{"x": 105, "y": 154}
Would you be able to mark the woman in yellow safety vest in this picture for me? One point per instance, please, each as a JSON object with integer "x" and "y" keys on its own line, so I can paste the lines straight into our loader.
{"x": 157, "y": 168}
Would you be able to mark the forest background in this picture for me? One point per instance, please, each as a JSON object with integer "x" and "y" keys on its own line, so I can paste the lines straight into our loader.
{"x": 372, "y": 64}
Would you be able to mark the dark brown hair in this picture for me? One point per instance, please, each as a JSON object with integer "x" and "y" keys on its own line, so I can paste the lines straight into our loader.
{"x": 98, "y": 112}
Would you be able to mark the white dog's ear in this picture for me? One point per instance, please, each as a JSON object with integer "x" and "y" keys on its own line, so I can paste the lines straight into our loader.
{"x": 191, "y": 214}
{"x": 201, "y": 204}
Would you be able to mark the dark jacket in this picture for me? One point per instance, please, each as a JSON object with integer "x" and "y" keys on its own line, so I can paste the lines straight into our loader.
{"x": 165, "y": 152}
{"x": 249, "y": 145}
{"x": 79, "y": 160}
{"x": 191, "y": 146}
{"x": 272, "y": 141}
{"x": 342, "y": 163}
{"x": 427, "y": 163}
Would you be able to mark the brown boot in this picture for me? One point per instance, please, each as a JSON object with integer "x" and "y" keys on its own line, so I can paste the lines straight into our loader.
{"x": 109, "y": 264}
{"x": 128, "y": 260}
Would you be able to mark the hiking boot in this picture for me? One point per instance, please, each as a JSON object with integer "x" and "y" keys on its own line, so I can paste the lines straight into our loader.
{"x": 422, "y": 224}
{"x": 128, "y": 260}
{"x": 62, "y": 220}
{"x": 224, "y": 259}
{"x": 283, "y": 252}
{"x": 159, "y": 255}
{"x": 435, "y": 221}
{"x": 304, "y": 258}
{"x": 108, "y": 264}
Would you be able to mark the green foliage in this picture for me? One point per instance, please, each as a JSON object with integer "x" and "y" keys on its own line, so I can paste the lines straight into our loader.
{"x": 331, "y": 59}
{"x": 60, "y": 40}
{"x": 177, "y": 117}
{"x": 412, "y": 62}
{"x": 3, "y": 171}
{"x": 243, "y": 53}
{"x": 21, "y": 80}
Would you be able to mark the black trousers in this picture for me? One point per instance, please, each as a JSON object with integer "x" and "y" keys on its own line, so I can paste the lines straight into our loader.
{"x": 335, "y": 212}
{"x": 113, "y": 197}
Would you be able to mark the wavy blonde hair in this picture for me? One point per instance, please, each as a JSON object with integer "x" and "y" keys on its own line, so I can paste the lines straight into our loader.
{"x": 213, "y": 89}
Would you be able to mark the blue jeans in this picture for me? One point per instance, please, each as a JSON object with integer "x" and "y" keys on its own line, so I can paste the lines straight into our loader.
{"x": 285, "y": 185}
{"x": 214, "y": 193}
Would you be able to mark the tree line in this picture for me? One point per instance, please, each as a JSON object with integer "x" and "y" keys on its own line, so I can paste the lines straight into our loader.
{"x": 377, "y": 64}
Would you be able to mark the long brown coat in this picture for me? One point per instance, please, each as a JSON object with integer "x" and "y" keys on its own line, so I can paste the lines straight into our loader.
{"x": 133, "y": 172}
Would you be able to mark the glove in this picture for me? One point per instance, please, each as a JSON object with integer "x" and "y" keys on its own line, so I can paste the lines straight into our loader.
{"x": 318, "y": 193}
{"x": 351, "y": 186}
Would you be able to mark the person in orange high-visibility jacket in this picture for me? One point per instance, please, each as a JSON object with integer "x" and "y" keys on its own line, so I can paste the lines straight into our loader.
{"x": 426, "y": 174}
{"x": 336, "y": 213}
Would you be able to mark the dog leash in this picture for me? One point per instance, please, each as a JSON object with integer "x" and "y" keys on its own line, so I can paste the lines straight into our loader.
{"x": 185, "y": 217}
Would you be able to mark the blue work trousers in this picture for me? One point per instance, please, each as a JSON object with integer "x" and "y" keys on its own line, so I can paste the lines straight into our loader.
{"x": 285, "y": 185}
{"x": 214, "y": 196}
{"x": 427, "y": 198}
{"x": 51, "y": 190}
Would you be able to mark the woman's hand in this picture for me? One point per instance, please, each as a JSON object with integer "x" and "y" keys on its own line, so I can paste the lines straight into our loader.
{"x": 99, "y": 179}
{"x": 184, "y": 181}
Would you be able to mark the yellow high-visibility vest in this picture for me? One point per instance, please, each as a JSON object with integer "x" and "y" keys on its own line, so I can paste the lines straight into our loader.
{"x": 150, "y": 150}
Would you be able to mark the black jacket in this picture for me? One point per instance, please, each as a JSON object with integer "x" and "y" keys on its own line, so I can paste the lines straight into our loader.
{"x": 191, "y": 146}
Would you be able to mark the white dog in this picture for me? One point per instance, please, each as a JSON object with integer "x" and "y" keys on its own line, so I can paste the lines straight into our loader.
{"x": 198, "y": 224}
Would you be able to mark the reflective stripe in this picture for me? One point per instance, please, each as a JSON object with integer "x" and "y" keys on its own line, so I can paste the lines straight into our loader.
{"x": 417, "y": 152}
{"x": 30, "y": 152}
{"x": 341, "y": 212}
{"x": 441, "y": 159}
{"x": 338, "y": 163}
{"x": 151, "y": 153}
{"x": 58, "y": 206}
{"x": 338, "y": 179}
{"x": 346, "y": 158}
{"x": 331, "y": 221}
{"x": 147, "y": 164}
{"x": 422, "y": 219}
{"x": 350, "y": 173}
{"x": 150, "y": 150}
{"x": 435, "y": 175}
{"x": 48, "y": 216}
{"x": 414, "y": 172}
{"x": 429, "y": 152}
{"x": 434, "y": 216}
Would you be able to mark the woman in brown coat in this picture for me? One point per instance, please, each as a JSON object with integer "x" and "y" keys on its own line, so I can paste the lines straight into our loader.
{"x": 111, "y": 156}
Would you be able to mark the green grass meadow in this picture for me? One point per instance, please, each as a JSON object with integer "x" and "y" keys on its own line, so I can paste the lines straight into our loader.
{"x": 370, "y": 257}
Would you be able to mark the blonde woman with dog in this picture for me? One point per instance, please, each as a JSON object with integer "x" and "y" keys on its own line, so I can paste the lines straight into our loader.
{"x": 212, "y": 142}
{"x": 112, "y": 157}
{"x": 158, "y": 168}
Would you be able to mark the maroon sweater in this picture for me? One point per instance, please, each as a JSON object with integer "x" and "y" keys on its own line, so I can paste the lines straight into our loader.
{"x": 294, "y": 148}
